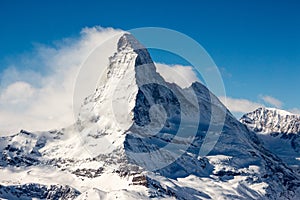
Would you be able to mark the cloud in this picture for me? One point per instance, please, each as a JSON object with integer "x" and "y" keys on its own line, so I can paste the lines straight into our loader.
{"x": 240, "y": 106}
{"x": 181, "y": 75}
{"x": 17, "y": 93}
{"x": 271, "y": 101}
{"x": 40, "y": 97}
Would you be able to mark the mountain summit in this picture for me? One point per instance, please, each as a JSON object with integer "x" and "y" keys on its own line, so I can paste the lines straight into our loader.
{"x": 272, "y": 120}
{"x": 280, "y": 132}
{"x": 140, "y": 137}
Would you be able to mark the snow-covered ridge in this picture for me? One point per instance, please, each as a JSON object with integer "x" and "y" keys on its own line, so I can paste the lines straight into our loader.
{"x": 271, "y": 120}
{"x": 280, "y": 111}
{"x": 280, "y": 132}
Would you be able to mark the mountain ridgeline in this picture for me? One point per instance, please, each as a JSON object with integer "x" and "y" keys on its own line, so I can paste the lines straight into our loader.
{"x": 140, "y": 137}
{"x": 280, "y": 132}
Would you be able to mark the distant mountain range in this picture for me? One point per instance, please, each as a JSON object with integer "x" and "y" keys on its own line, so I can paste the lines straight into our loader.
{"x": 140, "y": 137}
{"x": 280, "y": 132}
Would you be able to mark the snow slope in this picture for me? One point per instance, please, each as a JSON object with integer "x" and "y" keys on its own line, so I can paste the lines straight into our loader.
{"x": 140, "y": 137}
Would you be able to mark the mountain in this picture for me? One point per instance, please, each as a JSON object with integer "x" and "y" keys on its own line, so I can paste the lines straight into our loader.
{"x": 280, "y": 132}
{"x": 140, "y": 137}
{"x": 271, "y": 120}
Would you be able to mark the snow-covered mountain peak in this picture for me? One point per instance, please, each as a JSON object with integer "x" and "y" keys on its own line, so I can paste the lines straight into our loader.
{"x": 129, "y": 68}
{"x": 280, "y": 132}
{"x": 140, "y": 137}
{"x": 127, "y": 96}
{"x": 128, "y": 41}
{"x": 272, "y": 120}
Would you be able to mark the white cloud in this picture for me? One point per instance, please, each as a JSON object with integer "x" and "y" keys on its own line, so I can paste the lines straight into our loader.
{"x": 43, "y": 99}
{"x": 241, "y": 106}
{"x": 17, "y": 93}
{"x": 181, "y": 75}
{"x": 271, "y": 101}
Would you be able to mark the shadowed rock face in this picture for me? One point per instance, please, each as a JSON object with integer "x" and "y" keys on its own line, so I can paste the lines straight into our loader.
{"x": 236, "y": 140}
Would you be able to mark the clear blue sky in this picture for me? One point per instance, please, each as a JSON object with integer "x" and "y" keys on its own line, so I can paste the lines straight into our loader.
{"x": 255, "y": 42}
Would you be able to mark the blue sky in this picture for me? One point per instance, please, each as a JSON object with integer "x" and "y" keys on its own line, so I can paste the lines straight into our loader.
{"x": 256, "y": 44}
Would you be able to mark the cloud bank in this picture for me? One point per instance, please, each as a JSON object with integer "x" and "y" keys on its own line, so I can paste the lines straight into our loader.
{"x": 40, "y": 97}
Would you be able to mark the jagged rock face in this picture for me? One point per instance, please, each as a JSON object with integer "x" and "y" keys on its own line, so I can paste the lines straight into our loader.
{"x": 280, "y": 132}
{"x": 140, "y": 137}
{"x": 37, "y": 191}
{"x": 268, "y": 120}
